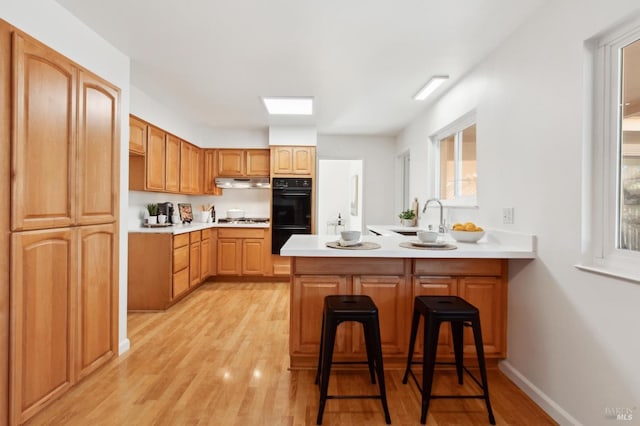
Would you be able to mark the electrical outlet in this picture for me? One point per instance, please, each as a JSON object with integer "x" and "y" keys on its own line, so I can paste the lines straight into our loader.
{"x": 507, "y": 215}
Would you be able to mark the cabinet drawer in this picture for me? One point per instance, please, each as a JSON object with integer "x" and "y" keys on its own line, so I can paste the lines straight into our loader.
{"x": 180, "y": 258}
{"x": 180, "y": 282}
{"x": 240, "y": 233}
{"x": 206, "y": 234}
{"x": 180, "y": 240}
{"x": 195, "y": 236}
{"x": 485, "y": 267}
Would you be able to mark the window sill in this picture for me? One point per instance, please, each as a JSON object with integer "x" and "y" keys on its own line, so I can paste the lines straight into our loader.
{"x": 611, "y": 272}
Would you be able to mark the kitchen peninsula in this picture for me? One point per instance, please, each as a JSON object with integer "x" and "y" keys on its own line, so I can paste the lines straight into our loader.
{"x": 392, "y": 276}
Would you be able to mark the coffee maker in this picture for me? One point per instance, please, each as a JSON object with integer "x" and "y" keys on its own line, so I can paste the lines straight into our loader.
{"x": 166, "y": 209}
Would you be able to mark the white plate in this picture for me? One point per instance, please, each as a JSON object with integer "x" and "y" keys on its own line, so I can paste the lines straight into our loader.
{"x": 344, "y": 243}
{"x": 433, "y": 244}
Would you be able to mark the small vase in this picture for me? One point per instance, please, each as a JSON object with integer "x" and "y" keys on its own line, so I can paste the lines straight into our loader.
{"x": 152, "y": 220}
{"x": 407, "y": 222}
{"x": 162, "y": 218}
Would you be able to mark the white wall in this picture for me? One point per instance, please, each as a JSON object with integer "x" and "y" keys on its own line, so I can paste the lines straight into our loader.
{"x": 378, "y": 162}
{"x": 572, "y": 335}
{"x": 52, "y": 25}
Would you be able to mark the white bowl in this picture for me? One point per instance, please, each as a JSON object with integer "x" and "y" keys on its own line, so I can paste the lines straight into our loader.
{"x": 350, "y": 236}
{"x": 427, "y": 236}
{"x": 466, "y": 236}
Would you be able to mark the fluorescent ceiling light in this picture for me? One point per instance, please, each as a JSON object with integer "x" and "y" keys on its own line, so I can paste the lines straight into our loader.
{"x": 289, "y": 106}
{"x": 429, "y": 88}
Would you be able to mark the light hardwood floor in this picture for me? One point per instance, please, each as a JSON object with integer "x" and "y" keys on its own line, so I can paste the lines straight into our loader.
{"x": 220, "y": 357}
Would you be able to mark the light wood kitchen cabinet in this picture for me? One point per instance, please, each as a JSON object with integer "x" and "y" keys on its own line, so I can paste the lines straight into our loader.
{"x": 181, "y": 276}
{"x": 241, "y": 251}
{"x": 205, "y": 255}
{"x": 231, "y": 162}
{"x": 190, "y": 168}
{"x": 393, "y": 284}
{"x": 64, "y": 217}
{"x": 175, "y": 268}
{"x": 97, "y": 297}
{"x": 243, "y": 162}
{"x": 293, "y": 161}
{"x": 210, "y": 172}
{"x": 172, "y": 164}
{"x": 389, "y": 293}
{"x": 155, "y": 159}
{"x": 307, "y": 303}
{"x": 43, "y": 294}
{"x": 44, "y": 148}
{"x": 258, "y": 162}
{"x": 137, "y": 136}
{"x": 194, "y": 258}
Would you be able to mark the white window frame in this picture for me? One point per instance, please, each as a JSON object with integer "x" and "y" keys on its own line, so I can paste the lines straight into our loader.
{"x": 455, "y": 128}
{"x": 601, "y": 183}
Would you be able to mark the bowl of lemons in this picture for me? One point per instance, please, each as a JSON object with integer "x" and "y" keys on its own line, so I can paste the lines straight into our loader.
{"x": 466, "y": 232}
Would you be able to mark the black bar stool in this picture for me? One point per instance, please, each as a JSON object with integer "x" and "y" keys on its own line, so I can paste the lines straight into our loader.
{"x": 338, "y": 309}
{"x": 460, "y": 313}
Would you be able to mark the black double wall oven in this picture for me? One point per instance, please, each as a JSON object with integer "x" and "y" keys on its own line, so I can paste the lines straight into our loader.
{"x": 290, "y": 210}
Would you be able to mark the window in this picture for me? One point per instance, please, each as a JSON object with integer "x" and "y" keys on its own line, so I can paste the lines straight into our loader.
{"x": 456, "y": 178}
{"x": 612, "y": 179}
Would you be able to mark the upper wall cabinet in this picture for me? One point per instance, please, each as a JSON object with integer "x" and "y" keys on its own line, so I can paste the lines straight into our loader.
{"x": 210, "y": 172}
{"x": 293, "y": 160}
{"x": 61, "y": 114}
{"x": 137, "y": 136}
{"x": 190, "y": 168}
{"x": 155, "y": 164}
{"x": 243, "y": 162}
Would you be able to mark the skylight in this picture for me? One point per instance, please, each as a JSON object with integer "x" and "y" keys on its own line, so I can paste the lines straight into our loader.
{"x": 289, "y": 105}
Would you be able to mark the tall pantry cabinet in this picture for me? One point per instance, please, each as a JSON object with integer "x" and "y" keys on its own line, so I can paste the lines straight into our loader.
{"x": 64, "y": 185}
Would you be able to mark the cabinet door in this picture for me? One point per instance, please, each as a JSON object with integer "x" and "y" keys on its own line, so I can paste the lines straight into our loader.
{"x": 97, "y": 297}
{"x": 172, "y": 164}
{"x": 434, "y": 286}
{"x": 194, "y": 264}
{"x": 137, "y": 136}
{"x": 98, "y": 150}
{"x": 389, "y": 293}
{"x": 231, "y": 162}
{"x": 303, "y": 160}
{"x": 213, "y": 258}
{"x": 210, "y": 173}
{"x": 205, "y": 259}
{"x": 229, "y": 256}
{"x": 155, "y": 159}
{"x": 253, "y": 257}
{"x": 281, "y": 160}
{"x": 43, "y": 294}
{"x": 195, "y": 160}
{"x": 307, "y": 303}
{"x": 258, "y": 162}
{"x": 43, "y": 150}
{"x": 489, "y": 295}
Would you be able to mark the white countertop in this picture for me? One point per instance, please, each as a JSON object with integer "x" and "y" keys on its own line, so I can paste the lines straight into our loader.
{"x": 495, "y": 244}
{"x": 196, "y": 226}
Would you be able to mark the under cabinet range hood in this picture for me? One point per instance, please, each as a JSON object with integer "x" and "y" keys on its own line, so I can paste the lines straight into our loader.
{"x": 252, "y": 182}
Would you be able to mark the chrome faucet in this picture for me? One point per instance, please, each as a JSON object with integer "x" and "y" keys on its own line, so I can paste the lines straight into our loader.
{"x": 442, "y": 227}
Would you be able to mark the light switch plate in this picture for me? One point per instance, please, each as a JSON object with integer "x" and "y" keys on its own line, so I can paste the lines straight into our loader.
{"x": 507, "y": 215}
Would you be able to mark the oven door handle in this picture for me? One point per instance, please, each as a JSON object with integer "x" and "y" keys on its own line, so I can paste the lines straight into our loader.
{"x": 293, "y": 194}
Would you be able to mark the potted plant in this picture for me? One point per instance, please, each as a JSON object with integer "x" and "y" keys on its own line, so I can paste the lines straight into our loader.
{"x": 153, "y": 213}
{"x": 408, "y": 217}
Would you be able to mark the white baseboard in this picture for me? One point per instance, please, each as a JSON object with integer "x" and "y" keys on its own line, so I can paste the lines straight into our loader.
{"x": 124, "y": 346}
{"x": 547, "y": 404}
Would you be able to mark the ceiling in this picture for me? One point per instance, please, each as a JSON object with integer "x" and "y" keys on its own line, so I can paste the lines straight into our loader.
{"x": 362, "y": 60}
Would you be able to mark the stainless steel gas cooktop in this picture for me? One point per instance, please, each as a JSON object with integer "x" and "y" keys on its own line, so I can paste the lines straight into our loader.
{"x": 244, "y": 220}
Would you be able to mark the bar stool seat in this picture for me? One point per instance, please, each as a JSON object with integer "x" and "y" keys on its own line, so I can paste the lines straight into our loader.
{"x": 459, "y": 313}
{"x": 338, "y": 309}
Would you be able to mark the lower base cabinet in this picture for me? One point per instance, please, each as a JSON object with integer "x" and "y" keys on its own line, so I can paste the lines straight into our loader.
{"x": 164, "y": 267}
{"x": 63, "y": 310}
{"x": 393, "y": 284}
{"x": 242, "y": 251}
